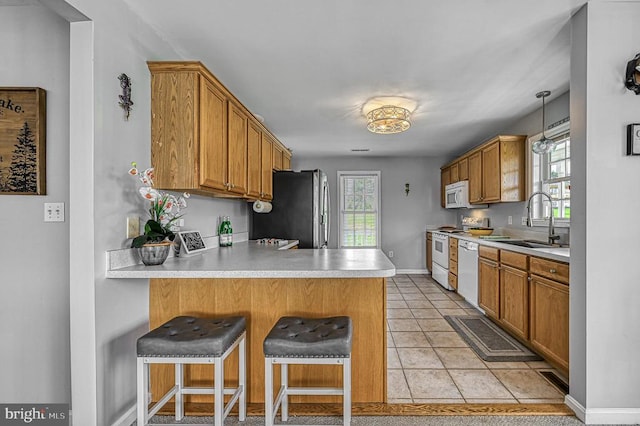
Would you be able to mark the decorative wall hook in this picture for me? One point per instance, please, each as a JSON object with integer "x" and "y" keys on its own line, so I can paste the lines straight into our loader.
{"x": 125, "y": 99}
{"x": 632, "y": 76}
{"x": 406, "y": 189}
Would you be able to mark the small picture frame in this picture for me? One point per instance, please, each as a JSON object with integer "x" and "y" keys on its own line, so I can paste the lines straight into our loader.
{"x": 633, "y": 139}
{"x": 191, "y": 242}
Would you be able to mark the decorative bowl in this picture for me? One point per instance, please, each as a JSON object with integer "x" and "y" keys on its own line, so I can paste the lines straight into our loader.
{"x": 154, "y": 253}
{"x": 476, "y": 232}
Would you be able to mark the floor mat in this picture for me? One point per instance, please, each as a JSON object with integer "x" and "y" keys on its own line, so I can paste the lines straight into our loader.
{"x": 489, "y": 341}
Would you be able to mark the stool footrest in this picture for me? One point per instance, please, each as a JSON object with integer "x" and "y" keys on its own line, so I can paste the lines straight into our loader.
{"x": 314, "y": 391}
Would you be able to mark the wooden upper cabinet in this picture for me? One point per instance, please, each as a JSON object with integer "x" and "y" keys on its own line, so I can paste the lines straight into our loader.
{"x": 266, "y": 170}
{"x": 203, "y": 140}
{"x": 497, "y": 171}
{"x": 475, "y": 177}
{"x": 254, "y": 161}
{"x": 286, "y": 160}
{"x": 277, "y": 157}
{"x": 454, "y": 173}
{"x": 445, "y": 179}
{"x": 463, "y": 169}
{"x": 237, "y": 150}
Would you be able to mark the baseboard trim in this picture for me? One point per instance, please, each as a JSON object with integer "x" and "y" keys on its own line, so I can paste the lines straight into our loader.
{"x": 127, "y": 418}
{"x": 603, "y": 416}
{"x": 412, "y": 271}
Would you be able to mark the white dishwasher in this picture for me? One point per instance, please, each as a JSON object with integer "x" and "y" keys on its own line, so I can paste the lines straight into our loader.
{"x": 468, "y": 271}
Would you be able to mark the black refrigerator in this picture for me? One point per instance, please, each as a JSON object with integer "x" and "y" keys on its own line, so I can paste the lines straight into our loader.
{"x": 300, "y": 210}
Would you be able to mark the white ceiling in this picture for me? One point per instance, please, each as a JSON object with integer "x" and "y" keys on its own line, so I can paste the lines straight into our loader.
{"x": 307, "y": 67}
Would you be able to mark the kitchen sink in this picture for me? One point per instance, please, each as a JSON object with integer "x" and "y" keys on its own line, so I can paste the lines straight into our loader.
{"x": 528, "y": 243}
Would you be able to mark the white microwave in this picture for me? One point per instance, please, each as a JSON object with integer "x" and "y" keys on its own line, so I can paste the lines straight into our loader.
{"x": 457, "y": 195}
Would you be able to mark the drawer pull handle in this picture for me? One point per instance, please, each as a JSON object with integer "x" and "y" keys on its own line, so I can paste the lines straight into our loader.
{"x": 553, "y": 271}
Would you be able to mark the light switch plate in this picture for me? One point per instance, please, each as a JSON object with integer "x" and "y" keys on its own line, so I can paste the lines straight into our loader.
{"x": 133, "y": 226}
{"x": 54, "y": 212}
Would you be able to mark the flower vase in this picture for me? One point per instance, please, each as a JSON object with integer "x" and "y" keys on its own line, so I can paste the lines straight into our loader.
{"x": 154, "y": 253}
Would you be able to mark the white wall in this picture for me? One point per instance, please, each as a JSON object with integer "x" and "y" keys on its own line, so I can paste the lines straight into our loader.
{"x": 604, "y": 277}
{"x": 404, "y": 218}
{"x": 34, "y": 294}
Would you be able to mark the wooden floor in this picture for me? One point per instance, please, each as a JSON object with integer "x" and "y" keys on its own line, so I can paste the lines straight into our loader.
{"x": 395, "y": 409}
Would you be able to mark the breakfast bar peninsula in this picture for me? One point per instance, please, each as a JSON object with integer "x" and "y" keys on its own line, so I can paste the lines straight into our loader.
{"x": 263, "y": 284}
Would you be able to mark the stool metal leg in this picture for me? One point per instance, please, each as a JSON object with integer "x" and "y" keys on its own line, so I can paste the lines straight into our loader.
{"x": 284, "y": 385}
{"x": 268, "y": 392}
{"x": 242, "y": 381}
{"x": 346, "y": 389}
{"x": 142, "y": 372}
{"x": 179, "y": 398}
{"x": 218, "y": 395}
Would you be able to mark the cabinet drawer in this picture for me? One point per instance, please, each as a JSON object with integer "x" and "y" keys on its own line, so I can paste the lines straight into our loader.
{"x": 453, "y": 280}
{"x": 489, "y": 253}
{"x": 517, "y": 260}
{"x": 453, "y": 266}
{"x": 453, "y": 243}
{"x": 553, "y": 270}
{"x": 453, "y": 254}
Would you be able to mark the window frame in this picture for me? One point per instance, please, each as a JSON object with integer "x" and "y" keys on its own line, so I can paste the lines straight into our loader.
{"x": 359, "y": 173}
{"x": 552, "y": 133}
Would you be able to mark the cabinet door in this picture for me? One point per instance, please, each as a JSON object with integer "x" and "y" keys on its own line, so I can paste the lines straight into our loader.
{"x": 475, "y": 178}
{"x": 491, "y": 175}
{"x": 254, "y": 144}
{"x": 463, "y": 169}
{"x": 213, "y": 136}
{"x": 266, "y": 156}
{"x": 286, "y": 160}
{"x": 514, "y": 301}
{"x": 277, "y": 157}
{"x": 237, "y": 151}
{"x": 550, "y": 320}
{"x": 445, "y": 179}
{"x": 454, "y": 171}
{"x": 489, "y": 290}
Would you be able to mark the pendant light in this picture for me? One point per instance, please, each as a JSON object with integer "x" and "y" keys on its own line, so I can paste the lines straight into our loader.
{"x": 543, "y": 145}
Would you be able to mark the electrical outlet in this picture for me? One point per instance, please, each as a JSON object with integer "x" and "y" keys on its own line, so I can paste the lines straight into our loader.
{"x": 509, "y": 220}
{"x": 133, "y": 226}
{"x": 54, "y": 212}
{"x": 390, "y": 253}
{"x": 524, "y": 221}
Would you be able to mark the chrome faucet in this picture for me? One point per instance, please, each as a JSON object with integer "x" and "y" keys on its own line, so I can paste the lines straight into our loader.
{"x": 552, "y": 236}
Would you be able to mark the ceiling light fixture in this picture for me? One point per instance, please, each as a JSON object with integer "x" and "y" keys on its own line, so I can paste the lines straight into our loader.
{"x": 388, "y": 119}
{"x": 543, "y": 145}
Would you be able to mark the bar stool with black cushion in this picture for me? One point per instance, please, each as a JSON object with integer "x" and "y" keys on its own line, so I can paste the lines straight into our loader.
{"x": 296, "y": 340}
{"x": 192, "y": 340}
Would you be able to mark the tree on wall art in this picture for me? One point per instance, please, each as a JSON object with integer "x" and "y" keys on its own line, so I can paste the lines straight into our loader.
{"x": 22, "y": 141}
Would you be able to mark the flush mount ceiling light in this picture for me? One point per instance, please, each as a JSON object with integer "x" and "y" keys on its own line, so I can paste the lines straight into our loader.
{"x": 543, "y": 145}
{"x": 388, "y": 114}
{"x": 388, "y": 119}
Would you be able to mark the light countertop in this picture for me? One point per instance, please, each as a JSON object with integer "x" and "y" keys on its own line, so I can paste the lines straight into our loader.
{"x": 250, "y": 260}
{"x": 560, "y": 254}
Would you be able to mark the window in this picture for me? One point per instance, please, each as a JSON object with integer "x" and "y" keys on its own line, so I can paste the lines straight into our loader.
{"x": 359, "y": 224}
{"x": 551, "y": 173}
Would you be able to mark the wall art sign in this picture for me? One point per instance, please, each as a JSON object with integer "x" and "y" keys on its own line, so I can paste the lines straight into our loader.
{"x": 22, "y": 141}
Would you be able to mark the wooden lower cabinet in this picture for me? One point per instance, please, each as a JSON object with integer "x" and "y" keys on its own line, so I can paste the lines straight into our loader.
{"x": 549, "y": 316}
{"x": 262, "y": 301}
{"x": 429, "y": 252}
{"x": 514, "y": 301}
{"x": 489, "y": 287}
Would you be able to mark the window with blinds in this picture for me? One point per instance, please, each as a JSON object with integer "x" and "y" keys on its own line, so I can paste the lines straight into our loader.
{"x": 359, "y": 223}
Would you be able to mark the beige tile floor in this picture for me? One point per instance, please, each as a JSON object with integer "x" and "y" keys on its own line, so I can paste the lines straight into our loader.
{"x": 427, "y": 362}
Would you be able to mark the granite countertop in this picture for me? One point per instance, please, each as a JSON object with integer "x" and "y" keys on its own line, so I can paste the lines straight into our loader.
{"x": 560, "y": 254}
{"x": 251, "y": 260}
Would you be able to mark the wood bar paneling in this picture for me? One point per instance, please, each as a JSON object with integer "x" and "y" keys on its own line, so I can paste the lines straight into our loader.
{"x": 262, "y": 302}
